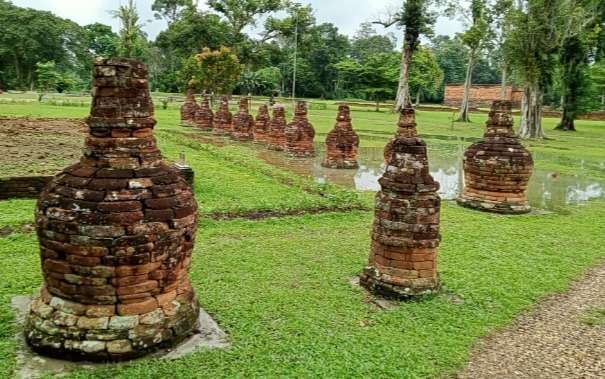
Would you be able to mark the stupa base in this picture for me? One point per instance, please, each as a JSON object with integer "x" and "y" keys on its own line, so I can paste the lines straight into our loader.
{"x": 341, "y": 164}
{"x": 496, "y": 203}
{"x": 275, "y": 147}
{"x": 300, "y": 154}
{"x": 392, "y": 287}
{"x": 59, "y": 328}
{"x": 241, "y": 137}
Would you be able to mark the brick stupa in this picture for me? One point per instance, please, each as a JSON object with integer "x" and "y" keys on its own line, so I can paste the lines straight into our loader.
{"x": 189, "y": 109}
{"x": 116, "y": 232}
{"x": 498, "y": 167}
{"x": 243, "y": 122}
{"x": 405, "y": 235}
{"x": 204, "y": 117}
{"x": 276, "y": 140}
{"x": 261, "y": 124}
{"x": 300, "y": 134}
{"x": 342, "y": 142}
{"x": 223, "y": 119}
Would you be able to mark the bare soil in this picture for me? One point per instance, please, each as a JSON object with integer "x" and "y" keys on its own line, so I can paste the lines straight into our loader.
{"x": 31, "y": 147}
{"x": 564, "y": 337}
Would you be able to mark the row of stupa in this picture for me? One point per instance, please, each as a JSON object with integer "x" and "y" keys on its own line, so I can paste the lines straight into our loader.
{"x": 296, "y": 138}
{"x": 117, "y": 230}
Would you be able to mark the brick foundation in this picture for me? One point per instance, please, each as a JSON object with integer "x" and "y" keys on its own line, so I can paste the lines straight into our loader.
{"x": 203, "y": 116}
{"x": 261, "y": 124}
{"x": 405, "y": 235}
{"x": 498, "y": 167}
{"x": 223, "y": 119}
{"x": 116, "y": 233}
{"x": 276, "y": 140}
{"x": 243, "y": 122}
{"x": 188, "y": 109}
{"x": 342, "y": 142}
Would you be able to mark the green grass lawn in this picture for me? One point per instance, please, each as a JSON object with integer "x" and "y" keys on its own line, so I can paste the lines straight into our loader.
{"x": 280, "y": 287}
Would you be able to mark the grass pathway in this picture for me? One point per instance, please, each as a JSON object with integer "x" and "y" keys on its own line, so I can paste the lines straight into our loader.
{"x": 564, "y": 337}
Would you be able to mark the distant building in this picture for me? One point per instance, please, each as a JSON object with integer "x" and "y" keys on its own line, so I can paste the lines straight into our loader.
{"x": 481, "y": 95}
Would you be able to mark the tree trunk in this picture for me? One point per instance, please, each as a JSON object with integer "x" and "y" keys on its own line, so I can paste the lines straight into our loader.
{"x": 603, "y": 100}
{"x": 377, "y": 105}
{"x": 403, "y": 90}
{"x": 463, "y": 116}
{"x": 531, "y": 112}
{"x": 567, "y": 121}
{"x": 503, "y": 89}
{"x": 418, "y": 94}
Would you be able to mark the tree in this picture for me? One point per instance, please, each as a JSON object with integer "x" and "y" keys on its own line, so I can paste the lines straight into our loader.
{"x": 215, "y": 71}
{"x": 367, "y": 43}
{"x": 170, "y": 9}
{"x": 29, "y": 36}
{"x": 132, "y": 43}
{"x": 530, "y": 46}
{"x": 47, "y": 76}
{"x": 426, "y": 76}
{"x": 473, "y": 38}
{"x": 262, "y": 82}
{"x": 242, "y": 13}
{"x": 597, "y": 76}
{"x": 102, "y": 41}
{"x": 580, "y": 38}
{"x": 376, "y": 79}
{"x": 416, "y": 19}
{"x": 187, "y": 35}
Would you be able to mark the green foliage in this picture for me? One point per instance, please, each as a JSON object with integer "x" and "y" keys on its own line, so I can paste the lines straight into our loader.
{"x": 132, "y": 42}
{"x": 170, "y": 9}
{"x": 47, "y": 76}
{"x": 262, "y": 82}
{"x": 214, "y": 71}
{"x": 425, "y": 74}
{"x": 103, "y": 42}
{"x": 375, "y": 80}
{"x": 367, "y": 43}
{"x": 241, "y": 13}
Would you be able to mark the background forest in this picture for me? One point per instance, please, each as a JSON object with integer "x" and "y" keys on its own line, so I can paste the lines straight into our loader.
{"x": 40, "y": 51}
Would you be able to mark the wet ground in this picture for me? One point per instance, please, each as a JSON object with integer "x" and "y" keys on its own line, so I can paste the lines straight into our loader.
{"x": 547, "y": 190}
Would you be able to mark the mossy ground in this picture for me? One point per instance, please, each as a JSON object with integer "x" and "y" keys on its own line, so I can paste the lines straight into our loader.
{"x": 280, "y": 287}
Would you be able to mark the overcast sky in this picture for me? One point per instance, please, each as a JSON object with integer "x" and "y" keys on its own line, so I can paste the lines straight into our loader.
{"x": 345, "y": 14}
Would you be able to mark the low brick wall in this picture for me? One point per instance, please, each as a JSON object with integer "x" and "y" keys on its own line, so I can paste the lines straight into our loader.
{"x": 22, "y": 187}
{"x": 481, "y": 95}
{"x": 31, "y": 186}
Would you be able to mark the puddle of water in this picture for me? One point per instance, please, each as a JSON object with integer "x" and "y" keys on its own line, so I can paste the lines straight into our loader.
{"x": 546, "y": 190}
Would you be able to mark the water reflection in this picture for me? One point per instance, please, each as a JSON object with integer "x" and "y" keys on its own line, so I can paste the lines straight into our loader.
{"x": 546, "y": 190}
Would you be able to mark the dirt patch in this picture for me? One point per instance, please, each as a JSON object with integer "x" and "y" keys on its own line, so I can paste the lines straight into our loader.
{"x": 39, "y": 146}
{"x": 561, "y": 338}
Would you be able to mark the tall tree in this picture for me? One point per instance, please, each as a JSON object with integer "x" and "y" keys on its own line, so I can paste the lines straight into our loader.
{"x": 473, "y": 38}
{"x": 367, "y": 42}
{"x": 170, "y": 9}
{"x": 242, "y": 13}
{"x": 215, "y": 71}
{"x": 133, "y": 43}
{"x": 416, "y": 19}
{"x": 426, "y": 77}
{"x": 580, "y": 39}
{"x": 102, "y": 41}
{"x": 531, "y": 46}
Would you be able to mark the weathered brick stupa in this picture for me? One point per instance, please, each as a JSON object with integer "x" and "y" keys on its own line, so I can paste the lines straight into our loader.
{"x": 342, "y": 142}
{"x": 243, "y": 122}
{"x": 189, "y": 109}
{"x": 223, "y": 119}
{"x": 498, "y": 167}
{"x": 261, "y": 124}
{"x": 276, "y": 140}
{"x": 300, "y": 134}
{"x": 204, "y": 116}
{"x": 405, "y": 236}
{"x": 116, "y": 233}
